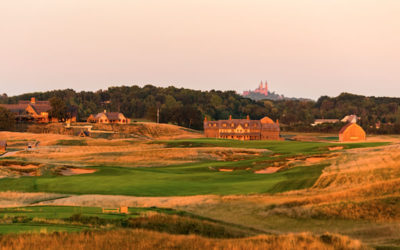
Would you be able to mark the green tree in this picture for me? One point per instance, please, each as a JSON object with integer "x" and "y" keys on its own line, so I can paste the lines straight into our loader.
{"x": 7, "y": 119}
{"x": 58, "y": 109}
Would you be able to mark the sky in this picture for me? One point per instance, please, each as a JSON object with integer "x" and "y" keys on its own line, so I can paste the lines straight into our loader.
{"x": 303, "y": 48}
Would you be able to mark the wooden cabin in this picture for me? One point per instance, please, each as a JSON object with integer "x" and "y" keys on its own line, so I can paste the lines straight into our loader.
{"x": 352, "y": 132}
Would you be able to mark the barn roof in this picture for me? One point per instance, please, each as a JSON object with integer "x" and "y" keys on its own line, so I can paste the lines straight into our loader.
{"x": 266, "y": 120}
{"x": 343, "y": 129}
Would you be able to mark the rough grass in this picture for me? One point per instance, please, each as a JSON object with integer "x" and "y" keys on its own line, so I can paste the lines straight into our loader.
{"x": 60, "y": 218}
{"x": 358, "y": 195}
{"x": 142, "y": 239}
{"x": 71, "y": 143}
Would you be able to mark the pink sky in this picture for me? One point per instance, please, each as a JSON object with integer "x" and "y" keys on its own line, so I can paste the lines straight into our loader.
{"x": 304, "y": 48}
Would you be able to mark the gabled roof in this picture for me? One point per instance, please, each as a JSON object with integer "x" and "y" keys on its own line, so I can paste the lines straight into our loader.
{"x": 110, "y": 115}
{"x": 36, "y": 102}
{"x": 20, "y": 107}
{"x": 113, "y": 115}
{"x": 39, "y": 108}
{"x": 16, "y": 108}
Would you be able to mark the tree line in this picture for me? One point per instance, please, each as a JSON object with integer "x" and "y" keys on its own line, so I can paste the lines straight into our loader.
{"x": 186, "y": 107}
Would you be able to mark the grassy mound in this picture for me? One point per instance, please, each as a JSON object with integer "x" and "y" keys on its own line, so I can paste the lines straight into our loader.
{"x": 142, "y": 239}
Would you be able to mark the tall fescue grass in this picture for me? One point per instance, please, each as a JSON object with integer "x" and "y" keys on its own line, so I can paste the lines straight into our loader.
{"x": 12, "y": 199}
{"x": 142, "y": 239}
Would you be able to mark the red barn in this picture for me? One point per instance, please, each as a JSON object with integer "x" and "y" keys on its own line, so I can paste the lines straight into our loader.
{"x": 352, "y": 132}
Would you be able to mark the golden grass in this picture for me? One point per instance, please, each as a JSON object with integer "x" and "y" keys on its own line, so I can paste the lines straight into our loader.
{"x": 16, "y": 199}
{"x": 137, "y": 154}
{"x": 142, "y": 239}
{"x": 361, "y": 184}
{"x": 132, "y": 201}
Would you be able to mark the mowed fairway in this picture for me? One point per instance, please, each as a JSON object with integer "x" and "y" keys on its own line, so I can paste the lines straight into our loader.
{"x": 193, "y": 178}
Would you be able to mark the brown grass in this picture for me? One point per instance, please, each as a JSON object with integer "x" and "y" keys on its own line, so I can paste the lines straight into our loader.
{"x": 132, "y": 201}
{"x": 15, "y": 199}
{"x": 142, "y": 239}
{"x": 123, "y": 153}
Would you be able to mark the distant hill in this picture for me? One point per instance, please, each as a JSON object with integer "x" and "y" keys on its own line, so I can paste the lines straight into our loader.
{"x": 272, "y": 96}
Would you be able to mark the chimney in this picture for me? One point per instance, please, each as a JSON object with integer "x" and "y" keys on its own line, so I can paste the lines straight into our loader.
{"x": 277, "y": 122}
{"x": 230, "y": 117}
{"x": 248, "y": 117}
{"x": 33, "y": 100}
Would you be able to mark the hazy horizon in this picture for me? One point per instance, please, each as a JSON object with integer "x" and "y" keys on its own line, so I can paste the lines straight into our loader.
{"x": 305, "y": 48}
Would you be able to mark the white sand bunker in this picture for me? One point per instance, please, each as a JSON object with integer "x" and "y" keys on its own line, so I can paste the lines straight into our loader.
{"x": 76, "y": 171}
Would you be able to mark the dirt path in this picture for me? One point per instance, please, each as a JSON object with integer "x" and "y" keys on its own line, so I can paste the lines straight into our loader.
{"x": 7, "y": 154}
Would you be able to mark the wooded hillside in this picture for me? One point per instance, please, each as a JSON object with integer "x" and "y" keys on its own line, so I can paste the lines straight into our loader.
{"x": 188, "y": 107}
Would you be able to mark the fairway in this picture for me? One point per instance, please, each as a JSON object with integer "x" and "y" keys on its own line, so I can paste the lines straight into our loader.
{"x": 197, "y": 178}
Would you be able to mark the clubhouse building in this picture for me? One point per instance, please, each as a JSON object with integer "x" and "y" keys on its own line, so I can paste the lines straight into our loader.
{"x": 242, "y": 129}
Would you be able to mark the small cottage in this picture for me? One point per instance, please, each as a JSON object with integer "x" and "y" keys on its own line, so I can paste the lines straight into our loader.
{"x": 108, "y": 117}
{"x": 352, "y": 132}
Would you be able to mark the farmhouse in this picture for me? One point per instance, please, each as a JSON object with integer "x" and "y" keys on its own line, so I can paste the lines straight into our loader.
{"x": 108, "y": 117}
{"x": 33, "y": 111}
{"x": 352, "y": 132}
{"x": 243, "y": 129}
{"x": 322, "y": 121}
{"x": 350, "y": 119}
{"x": 3, "y": 146}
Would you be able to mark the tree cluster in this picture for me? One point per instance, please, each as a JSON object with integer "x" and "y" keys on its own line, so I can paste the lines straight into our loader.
{"x": 188, "y": 107}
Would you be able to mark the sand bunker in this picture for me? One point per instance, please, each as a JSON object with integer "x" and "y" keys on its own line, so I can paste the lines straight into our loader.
{"x": 76, "y": 171}
{"x": 335, "y": 148}
{"x": 269, "y": 170}
{"x": 315, "y": 159}
{"x": 25, "y": 167}
{"x": 225, "y": 170}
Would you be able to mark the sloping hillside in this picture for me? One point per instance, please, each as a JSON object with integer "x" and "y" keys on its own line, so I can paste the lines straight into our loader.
{"x": 150, "y": 130}
{"x": 139, "y": 130}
